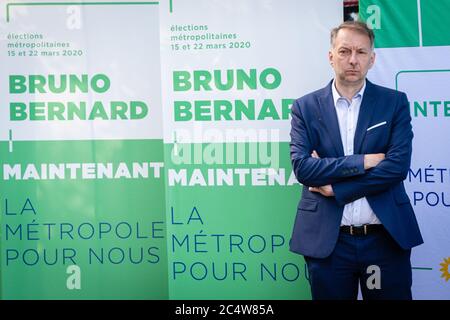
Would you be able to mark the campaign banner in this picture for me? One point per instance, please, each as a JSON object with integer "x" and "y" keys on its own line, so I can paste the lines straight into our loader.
{"x": 412, "y": 47}
{"x": 145, "y": 146}
{"x": 81, "y": 175}
{"x": 230, "y": 73}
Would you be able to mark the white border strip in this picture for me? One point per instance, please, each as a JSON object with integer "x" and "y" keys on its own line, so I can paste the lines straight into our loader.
{"x": 419, "y": 18}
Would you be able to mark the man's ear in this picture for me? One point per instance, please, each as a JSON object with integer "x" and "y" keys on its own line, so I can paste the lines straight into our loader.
{"x": 372, "y": 59}
{"x": 330, "y": 57}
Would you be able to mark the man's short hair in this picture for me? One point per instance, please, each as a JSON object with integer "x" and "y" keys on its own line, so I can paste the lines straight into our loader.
{"x": 357, "y": 26}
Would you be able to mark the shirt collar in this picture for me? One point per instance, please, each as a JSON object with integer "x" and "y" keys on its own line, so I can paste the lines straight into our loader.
{"x": 337, "y": 96}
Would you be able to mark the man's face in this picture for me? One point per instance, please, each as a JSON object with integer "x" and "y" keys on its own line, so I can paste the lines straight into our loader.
{"x": 351, "y": 56}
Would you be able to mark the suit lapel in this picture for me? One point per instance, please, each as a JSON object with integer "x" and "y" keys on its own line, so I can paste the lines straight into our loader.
{"x": 329, "y": 119}
{"x": 365, "y": 115}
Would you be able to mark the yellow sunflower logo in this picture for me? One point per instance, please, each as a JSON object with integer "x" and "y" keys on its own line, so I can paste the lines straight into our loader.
{"x": 445, "y": 269}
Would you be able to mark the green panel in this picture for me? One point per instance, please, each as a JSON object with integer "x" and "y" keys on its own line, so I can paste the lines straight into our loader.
{"x": 397, "y": 21}
{"x": 216, "y": 219}
{"x": 435, "y": 25}
{"x": 132, "y": 206}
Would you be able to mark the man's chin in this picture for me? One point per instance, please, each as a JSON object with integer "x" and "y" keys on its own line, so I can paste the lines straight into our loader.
{"x": 353, "y": 79}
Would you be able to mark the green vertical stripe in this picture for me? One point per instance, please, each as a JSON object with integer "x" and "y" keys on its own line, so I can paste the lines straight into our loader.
{"x": 435, "y": 26}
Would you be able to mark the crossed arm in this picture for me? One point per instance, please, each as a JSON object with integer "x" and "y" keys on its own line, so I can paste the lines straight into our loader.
{"x": 352, "y": 177}
{"x": 370, "y": 161}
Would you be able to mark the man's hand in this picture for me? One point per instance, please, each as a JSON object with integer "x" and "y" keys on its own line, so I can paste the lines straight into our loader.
{"x": 327, "y": 190}
{"x": 372, "y": 160}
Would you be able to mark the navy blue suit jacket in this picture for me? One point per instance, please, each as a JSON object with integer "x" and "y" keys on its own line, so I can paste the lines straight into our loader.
{"x": 314, "y": 126}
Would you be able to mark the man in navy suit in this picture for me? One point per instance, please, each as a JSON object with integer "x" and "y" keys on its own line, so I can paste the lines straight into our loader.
{"x": 351, "y": 150}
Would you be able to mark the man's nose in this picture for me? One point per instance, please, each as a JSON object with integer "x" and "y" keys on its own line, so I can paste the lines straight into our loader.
{"x": 353, "y": 59}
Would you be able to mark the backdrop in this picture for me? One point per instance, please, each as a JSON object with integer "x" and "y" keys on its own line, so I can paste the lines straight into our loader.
{"x": 144, "y": 145}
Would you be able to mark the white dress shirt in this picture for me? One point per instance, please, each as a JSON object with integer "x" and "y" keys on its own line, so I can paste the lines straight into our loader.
{"x": 359, "y": 211}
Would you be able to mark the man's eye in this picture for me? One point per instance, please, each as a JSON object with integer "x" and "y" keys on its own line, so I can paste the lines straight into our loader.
{"x": 343, "y": 52}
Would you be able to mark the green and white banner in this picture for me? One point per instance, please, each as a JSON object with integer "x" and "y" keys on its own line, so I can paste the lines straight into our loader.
{"x": 144, "y": 146}
{"x": 412, "y": 39}
{"x": 230, "y": 72}
{"x": 82, "y": 165}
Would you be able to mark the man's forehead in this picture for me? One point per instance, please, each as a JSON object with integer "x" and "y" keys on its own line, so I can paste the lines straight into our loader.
{"x": 351, "y": 36}
{"x": 353, "y": 45}
{"x": 359, "y": 42}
